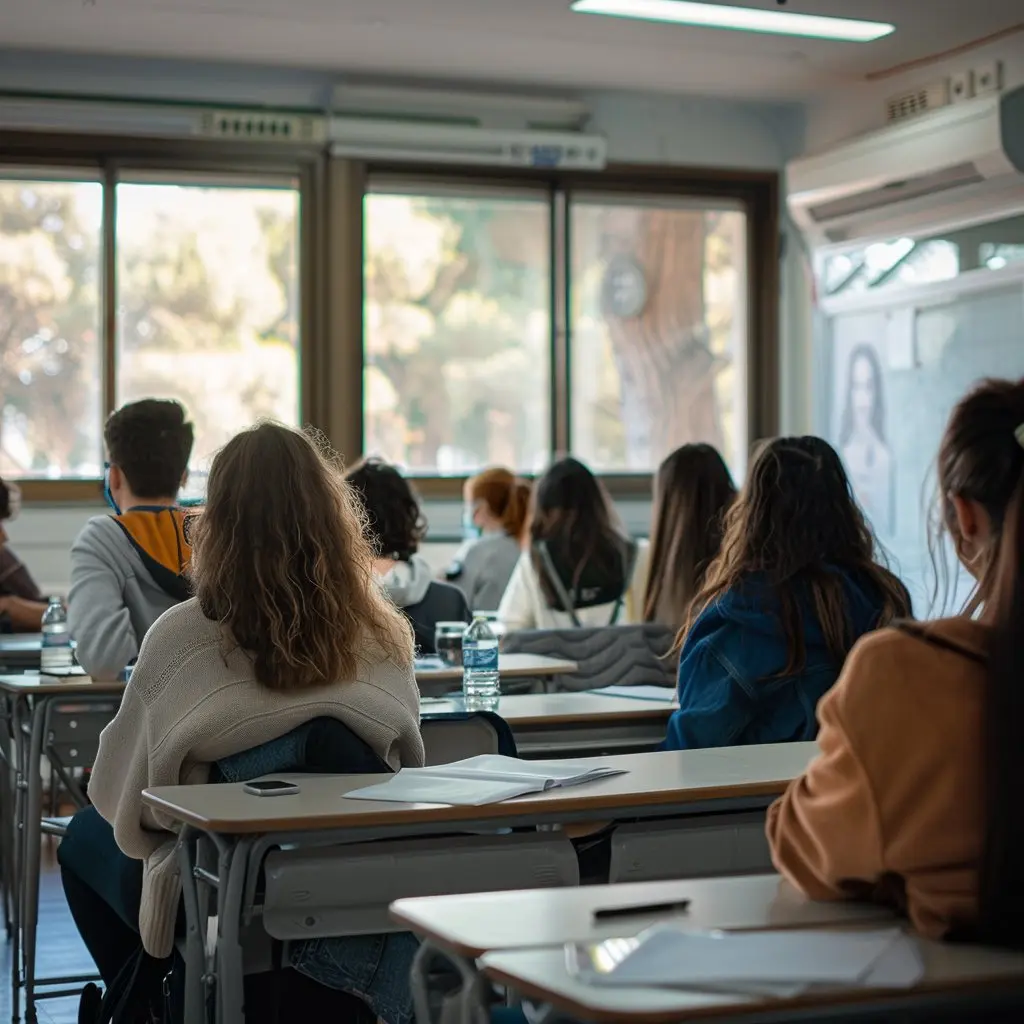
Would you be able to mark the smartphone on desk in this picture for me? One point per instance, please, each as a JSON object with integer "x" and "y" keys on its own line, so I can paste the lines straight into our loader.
{"x": 271, "y": 787}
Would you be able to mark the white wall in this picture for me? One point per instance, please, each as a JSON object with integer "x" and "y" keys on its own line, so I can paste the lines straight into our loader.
{"x": 860, "y": 107}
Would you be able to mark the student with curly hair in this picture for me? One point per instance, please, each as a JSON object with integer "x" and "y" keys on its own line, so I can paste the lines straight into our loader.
{"x": 129, "y": 568}
{"x": 396, "y": 527}
{"x": 286, "y": 626}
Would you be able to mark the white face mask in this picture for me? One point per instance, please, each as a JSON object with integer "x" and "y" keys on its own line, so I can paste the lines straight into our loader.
{"x": 13, "y": 501}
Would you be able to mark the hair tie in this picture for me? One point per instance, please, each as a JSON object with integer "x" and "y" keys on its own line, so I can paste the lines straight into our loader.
{"x": 1019, "y": 434}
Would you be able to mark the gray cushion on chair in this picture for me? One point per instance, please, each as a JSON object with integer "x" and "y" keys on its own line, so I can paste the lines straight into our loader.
{"x": 606, "y": 655}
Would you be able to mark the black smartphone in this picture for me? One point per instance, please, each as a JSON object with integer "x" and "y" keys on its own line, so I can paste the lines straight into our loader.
{"x": 271, "y": 787}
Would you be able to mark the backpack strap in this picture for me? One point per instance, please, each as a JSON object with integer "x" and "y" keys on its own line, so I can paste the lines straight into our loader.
{"x": 555, "y": 580}
{"x": 628, "y": 564}
{"x": 915, "y": 630}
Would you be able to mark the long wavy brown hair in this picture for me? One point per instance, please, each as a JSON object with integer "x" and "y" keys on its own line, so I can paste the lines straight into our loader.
{"x": 794, "y": 525}
{"x": 280, "y": 559}
{"x": 692, "y": 492}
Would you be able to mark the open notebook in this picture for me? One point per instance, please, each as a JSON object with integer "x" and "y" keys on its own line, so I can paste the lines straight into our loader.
{"x": 486, "y": 779}
{"x": 781, "y": 964}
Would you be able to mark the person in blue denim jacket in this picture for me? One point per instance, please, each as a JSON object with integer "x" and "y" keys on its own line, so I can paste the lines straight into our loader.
{"x": 797, "y": 582}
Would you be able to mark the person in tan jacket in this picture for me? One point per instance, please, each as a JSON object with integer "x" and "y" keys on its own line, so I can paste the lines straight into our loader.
{"x": 914, "y": 799}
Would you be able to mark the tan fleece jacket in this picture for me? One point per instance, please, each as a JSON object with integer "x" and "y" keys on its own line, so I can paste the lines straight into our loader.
{"x": 192, "y": 700}
{"x": 891, "y": 807}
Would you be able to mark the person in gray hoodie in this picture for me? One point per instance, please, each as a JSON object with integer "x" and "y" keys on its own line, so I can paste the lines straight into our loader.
{"x": 129, "y": 568}
{"x": 396, "y": 527}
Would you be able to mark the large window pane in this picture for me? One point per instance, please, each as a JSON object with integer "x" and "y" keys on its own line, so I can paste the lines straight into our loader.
{"x": 208, "y": 303}
{"x": 457, "y": 330}
{"x": 50, "y": 376}
{"x": 659, "y": 331}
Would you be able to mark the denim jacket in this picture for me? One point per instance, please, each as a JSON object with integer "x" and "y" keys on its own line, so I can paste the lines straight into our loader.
{"x": 731, "y": 690}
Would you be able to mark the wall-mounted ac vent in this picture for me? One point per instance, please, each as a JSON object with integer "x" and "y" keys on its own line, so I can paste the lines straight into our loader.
{"x": 262, "y": 126}
{"x": 457, "y": 144}
{"x": 916, "y": 102}
{"x": 941, "y": 167}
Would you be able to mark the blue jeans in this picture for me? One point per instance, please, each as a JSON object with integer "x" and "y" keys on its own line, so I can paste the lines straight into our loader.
{"x": 374, "y": 967}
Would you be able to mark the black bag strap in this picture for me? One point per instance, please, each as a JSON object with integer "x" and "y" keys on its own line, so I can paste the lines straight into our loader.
{"x": 944, "y": 643}
{"x": 556, "y": 582}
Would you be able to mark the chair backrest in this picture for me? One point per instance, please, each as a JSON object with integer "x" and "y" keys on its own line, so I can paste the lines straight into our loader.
{"x": 322, "y": 746}
{"x": 448, "y": 738}
{"x": 606, "y": 655}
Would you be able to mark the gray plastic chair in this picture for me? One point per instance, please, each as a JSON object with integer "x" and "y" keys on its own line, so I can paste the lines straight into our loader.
{"x": 606, "y": 655}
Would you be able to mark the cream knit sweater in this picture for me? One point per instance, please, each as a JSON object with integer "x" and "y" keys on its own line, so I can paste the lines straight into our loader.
{"x": 192, "y": 700}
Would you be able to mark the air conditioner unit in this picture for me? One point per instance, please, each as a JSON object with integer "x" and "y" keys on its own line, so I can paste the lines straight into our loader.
{"x": 954, "y": 165}
{"x": 425, "y": 143}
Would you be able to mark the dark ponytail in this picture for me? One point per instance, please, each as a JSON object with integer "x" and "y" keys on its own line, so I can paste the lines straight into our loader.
{"x": 1001, "y": 877}
{"x": 982, "y": 460}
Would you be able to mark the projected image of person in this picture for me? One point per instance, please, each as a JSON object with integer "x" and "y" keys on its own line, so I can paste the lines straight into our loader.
{"x": 862, "y": 438}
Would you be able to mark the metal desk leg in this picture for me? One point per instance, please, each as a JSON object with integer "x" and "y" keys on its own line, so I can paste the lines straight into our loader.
{"x": 31, "y": 845}
{"x": 20, "y": 756}
{"x": 232, "y": 864}
{"x": 472, "y": 991}
{"x": 196, "y": 969}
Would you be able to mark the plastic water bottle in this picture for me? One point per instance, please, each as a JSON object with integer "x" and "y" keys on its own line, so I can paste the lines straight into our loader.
{"x": 481, "y": 685}
{"x": 56, "y": 656}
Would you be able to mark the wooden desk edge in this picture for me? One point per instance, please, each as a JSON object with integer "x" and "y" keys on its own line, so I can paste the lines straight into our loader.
{"x": 851, "y": 997}
{"x": 399, "y": 814}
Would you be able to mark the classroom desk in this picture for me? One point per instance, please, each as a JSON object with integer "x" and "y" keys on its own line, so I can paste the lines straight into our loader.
{"x": 436, "y": 680}
{"x": 226, "y": 827}
{"x": 20, "y": 651}
{"x": 572, "y": 724}
{"x": 461, "y": 929}
{"x": 41, "y": 717}
{"x": 965, "y": 979}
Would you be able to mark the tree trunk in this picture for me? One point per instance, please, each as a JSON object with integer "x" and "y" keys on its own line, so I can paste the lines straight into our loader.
{"x": 666, "y": 369}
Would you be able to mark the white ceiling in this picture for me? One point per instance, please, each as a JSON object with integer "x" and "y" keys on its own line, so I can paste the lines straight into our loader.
{"x": 528, "y": 42}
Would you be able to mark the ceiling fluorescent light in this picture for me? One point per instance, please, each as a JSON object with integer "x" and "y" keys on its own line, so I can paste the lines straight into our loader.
{"x": 744, "y": 19}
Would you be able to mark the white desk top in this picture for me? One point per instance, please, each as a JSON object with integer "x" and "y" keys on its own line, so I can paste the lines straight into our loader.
{"x": 472, "y": 925}
{"x": 652, "y": 780}
{"x": 541, "y": 974}
{"x": 73, "y": 686}
{"x": 557, "y": 708}
{"x": 521, "y": 666}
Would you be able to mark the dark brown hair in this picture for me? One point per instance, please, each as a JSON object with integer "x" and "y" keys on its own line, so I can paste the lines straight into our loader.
{"x": 395, "y": 523}
{"x": 150, "y": 442}
{"x": 982, "y": 459}
{"x": 692, "y": 492}
{"x": 794, "y": 523}
{"x": 280, "y": 560}
{"x": 570, "y": 511}
{"x": 505, "y": 495}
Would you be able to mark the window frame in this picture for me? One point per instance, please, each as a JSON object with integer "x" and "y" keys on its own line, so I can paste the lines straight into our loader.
{"x": 756, "y": 192}
{"x": 331, "y": 259}
{"x": 113, "y": 159}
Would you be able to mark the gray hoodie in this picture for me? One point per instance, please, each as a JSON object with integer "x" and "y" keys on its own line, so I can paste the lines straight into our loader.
{"x": 113, "y": 598}
{"x": 425, "y": 601}
{"x": 407, "y": 583}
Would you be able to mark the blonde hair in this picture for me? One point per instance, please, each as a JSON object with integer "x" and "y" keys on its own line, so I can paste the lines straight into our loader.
{"x": 280, "y": 559}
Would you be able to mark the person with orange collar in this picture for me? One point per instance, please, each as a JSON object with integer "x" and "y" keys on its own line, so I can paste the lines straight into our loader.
{"x": 129, "y": 568}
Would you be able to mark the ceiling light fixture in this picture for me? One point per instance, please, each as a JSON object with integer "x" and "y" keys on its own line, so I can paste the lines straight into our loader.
{"x": 744, "y": 19}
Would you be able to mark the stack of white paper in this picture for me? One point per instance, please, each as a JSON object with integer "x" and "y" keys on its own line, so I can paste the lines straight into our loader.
{"x": 777, "y": 963}
{"x": 659, "y": 693}
{"x": 487, "y": 779}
